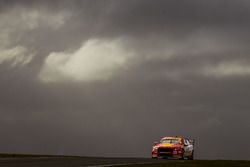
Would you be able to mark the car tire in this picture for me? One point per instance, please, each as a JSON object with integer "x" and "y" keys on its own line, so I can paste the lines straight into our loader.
{"x": 182, "y": 157}
{"x": 192, "y": 156}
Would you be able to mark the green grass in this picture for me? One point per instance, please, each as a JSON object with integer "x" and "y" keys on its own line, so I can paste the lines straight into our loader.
{"x": 196, "y": 163}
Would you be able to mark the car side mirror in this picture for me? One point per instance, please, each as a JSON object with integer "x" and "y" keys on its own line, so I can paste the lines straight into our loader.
{"x": 191, "y": 141}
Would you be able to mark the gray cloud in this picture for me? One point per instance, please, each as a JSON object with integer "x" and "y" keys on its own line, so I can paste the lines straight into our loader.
{"x": 188, "y": 75}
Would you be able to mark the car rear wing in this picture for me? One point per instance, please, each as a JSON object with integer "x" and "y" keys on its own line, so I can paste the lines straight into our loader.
{"x": 191, "y": 141}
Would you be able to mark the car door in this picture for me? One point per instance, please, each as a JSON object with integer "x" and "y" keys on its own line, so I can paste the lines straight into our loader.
{"x": 188, "y": 148}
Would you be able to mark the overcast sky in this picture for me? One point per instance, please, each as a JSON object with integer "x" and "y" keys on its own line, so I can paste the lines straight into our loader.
{"x": 110, "y": 77}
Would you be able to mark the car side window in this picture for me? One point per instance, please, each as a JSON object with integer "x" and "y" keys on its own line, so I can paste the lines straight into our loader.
{"x": 186, "y": 142}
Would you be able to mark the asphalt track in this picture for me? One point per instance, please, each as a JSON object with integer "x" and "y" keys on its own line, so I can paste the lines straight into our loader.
{"x": 71, "y": 162}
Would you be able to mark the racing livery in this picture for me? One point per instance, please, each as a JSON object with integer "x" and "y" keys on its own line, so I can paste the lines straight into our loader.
{"x": 174, "y": 147}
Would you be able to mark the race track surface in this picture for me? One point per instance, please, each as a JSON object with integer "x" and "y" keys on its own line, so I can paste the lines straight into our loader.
{"x": 69, "y": 161}
{"x": 107, "y": 162}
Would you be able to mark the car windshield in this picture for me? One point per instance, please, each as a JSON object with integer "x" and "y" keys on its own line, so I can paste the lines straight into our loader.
{"x": 171, "y": 141}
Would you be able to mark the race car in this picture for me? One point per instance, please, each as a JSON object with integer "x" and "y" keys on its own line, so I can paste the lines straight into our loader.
{"x": 174, "y": 147}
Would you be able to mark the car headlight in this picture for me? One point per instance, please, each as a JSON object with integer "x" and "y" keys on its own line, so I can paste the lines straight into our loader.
{"x": 155, "y": 148}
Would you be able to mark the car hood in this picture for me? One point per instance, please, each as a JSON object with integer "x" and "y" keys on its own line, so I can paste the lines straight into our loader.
{"x": 169, "y": 145}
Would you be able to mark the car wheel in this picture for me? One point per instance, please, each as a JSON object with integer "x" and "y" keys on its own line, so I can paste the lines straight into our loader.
{"x": 182, "y": 156}
{"x": 191, "y": 157}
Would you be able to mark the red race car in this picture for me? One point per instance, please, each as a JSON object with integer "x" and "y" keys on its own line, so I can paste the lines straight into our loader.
{"x": 174, "y": 147}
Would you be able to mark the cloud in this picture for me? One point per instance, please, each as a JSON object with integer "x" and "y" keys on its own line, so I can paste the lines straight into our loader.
{"x": 15, "y": 56}
{"x": 227, "y": 69}
{"x": 18, "y": 23}
{"x": 108, "y": 69}
{"x": 31, "y": 19}
{"x": 95, "y": 60}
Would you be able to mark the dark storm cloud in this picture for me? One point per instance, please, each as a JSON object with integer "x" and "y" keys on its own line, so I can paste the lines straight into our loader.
{"x": 189, "y": 76}
{"x": 177, "y": 17}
